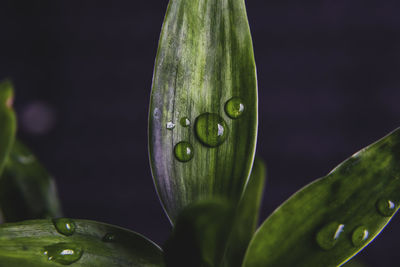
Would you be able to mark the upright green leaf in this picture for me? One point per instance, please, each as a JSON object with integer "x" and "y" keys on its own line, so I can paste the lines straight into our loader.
{"x": 333, "y": 218}
{"x": 7, "y": 121}
{"x": 27, "y": 191}
{"x": 246, "y": 217}
{"x": 203, "y": 110}
{"x": 200, "y": 235}
{"x": 83, "y": 243}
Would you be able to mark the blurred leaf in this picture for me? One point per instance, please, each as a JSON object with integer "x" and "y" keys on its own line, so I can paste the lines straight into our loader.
{"x": 7, "y": 121}
{"x": 205, "y": 58}
{"x": 200, "y": 235}
{"x": 330, "y": 220}
{"x": 246, "y": 217}
{"x": 41, "y": 243}
{"x": 27, "y": 191}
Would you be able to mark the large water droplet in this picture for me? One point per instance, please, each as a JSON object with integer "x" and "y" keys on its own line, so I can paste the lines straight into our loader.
{"x": 64, "y": 226}
{"x": 109, "y": 237}
{"x": 183, "y": 151}
{"x": 211, "y": 129}
{"x": 170, "y": 125}
{"x": 63, "y": 253}
{"x": 385, "y": 207}
{"x": 328, "y": 236}
{"x": 234, "y": 107}
{"x": 185, "y": 122}
{"x": 359, "y": 236}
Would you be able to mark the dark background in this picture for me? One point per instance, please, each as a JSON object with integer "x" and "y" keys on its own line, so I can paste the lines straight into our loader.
{"x": 328, "y": 84}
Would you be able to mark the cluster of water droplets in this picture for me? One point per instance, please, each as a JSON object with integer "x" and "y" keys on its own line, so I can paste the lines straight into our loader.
{"x": 210, "y": 129}
{"x": 66, "y": 253}
{"x": 330, "y": 234}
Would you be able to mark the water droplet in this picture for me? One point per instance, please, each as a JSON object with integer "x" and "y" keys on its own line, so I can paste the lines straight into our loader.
{"x": 64, "y": 226}
{"x": 170, "y": 125}
{"x": 234, "y": 107}
{"x": 211, "y": 129}
{"x": 109, "y": 237}
{"x": 328, "y": 236}
{"x": 183, "y": 151}
{"x": 185, "y": 122}
{"x": 385, "y": 207}
{"x": 63, "y": 253}
{"x": 359, "y": 236}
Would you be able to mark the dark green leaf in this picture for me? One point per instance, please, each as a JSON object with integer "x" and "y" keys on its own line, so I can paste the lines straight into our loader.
{"x": 27, "y": 191}
{"x": 7, "y": 121}
{"x": 200, "y": 235}
{"x": 205, "y": 58}
{"x": 333, "y": 218}
{"x": 246, "y": 217}
{"x": 42, "y": 243}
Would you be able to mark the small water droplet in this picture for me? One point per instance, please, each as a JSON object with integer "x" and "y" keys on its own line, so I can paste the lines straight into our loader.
{"x": 385, "y": 207}
{"x": 109, "y": 237}
{"x": 359, "y": 236}
{"x": 328, "y": 236}
{"x": 234, "y": 107}
{"x": 185, "y": 122}
{"x": 211, "y": 129}
{"x": 183, "y": 151}
{"x": 170, "y": 125}
{"x": 63, "y": 253}
{"x": 64, "y": 226}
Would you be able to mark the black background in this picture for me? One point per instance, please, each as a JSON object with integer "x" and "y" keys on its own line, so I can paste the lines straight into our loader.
{"x": 329, "y": 85}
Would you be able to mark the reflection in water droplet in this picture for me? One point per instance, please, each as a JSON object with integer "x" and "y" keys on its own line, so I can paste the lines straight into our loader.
{"x": 385, "y": 207}
{"x": 185, "y": 122}
{"x": 359, "y": 236}
{"x": 109, "y": 237}
{"x": 63, "y": 253}
{"x": 64, "y": 226}
{"x": 183, "y": 151}
{"x": 211, "y": 129}
{"x": 170, "y": 125}
{"x": 234, "y": 107}
{"x": 328, "y": 236}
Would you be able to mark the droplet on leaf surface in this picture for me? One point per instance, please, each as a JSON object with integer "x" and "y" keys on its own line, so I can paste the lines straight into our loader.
{"x": 64, "y": 226}
{"x": 183, "y": 151}
{"x": 211, "y": 129}
{"x": 185, "y": 122}
{"x": 359, "y": 236}
{"x": 63, "y": 253}
{"x": 234, "y": 107}
{"x": 385, "y": 207}
{"x": 328, "y": 236}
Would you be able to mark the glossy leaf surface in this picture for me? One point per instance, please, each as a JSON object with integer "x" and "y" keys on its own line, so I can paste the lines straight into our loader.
{"x": 39, "y": 243}
{"x": 200, "y": 235}
{"x": 7, "y": 121}
{"x": 27, "y": 191}
{"x": 205, "y": 58}
{"x": 330, "y": 220}
{"x": 246, "y": 217}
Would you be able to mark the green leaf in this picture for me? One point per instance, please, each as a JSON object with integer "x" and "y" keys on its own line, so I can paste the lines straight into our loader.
{"x": 330, "y": 220}
{"x": 7, "y": 121}
{"x": 200, "y": 235}
{"x": 205, "y": 58}
{"x": 27, "y": 191}
{"x": 246, "y": 217}
{"x": 41, "y": 243}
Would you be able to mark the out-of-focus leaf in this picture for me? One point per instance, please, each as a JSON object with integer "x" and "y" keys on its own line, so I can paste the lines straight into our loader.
{"x": 246, "y": 217}
{"x": 27, "y": 191}
{"x": 41, "y": 243}
{"x": 200, "y": 235}
{"x": 333, "y": 218}
{"x": 205, "y": 58}
{"x": 7, "y": 121}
